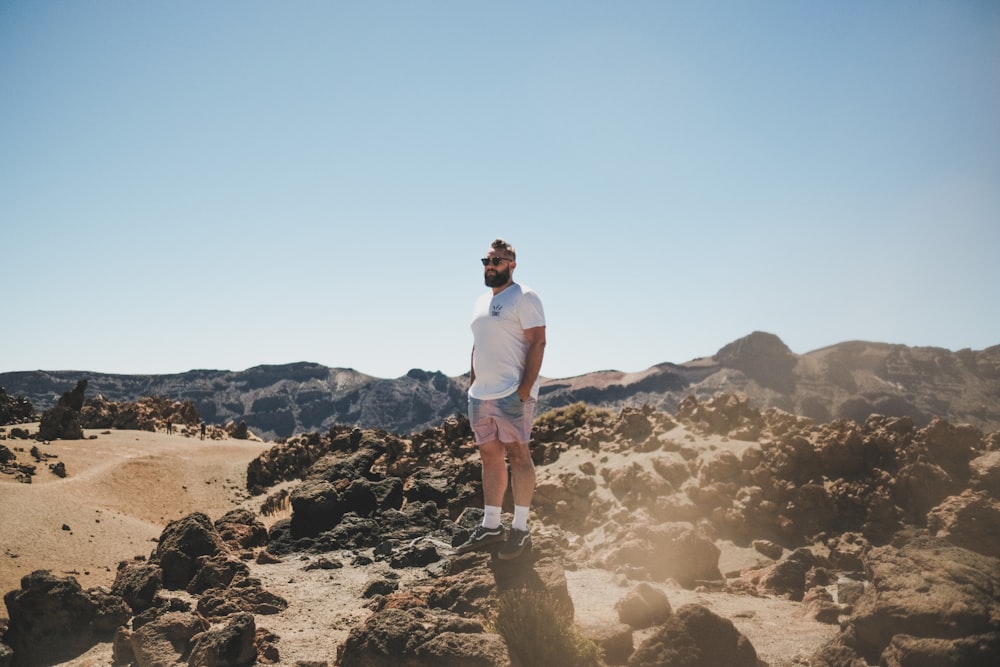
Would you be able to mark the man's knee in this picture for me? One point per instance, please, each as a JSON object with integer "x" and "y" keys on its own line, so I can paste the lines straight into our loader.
{"x": 491, "y": 452}
{"x": 518, "y": 454}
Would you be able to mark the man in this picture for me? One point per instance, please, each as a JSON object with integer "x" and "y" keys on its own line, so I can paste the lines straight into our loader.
{"x": 508, "y": 327}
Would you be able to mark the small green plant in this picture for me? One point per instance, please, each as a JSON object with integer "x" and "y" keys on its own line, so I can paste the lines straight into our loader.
{"x": 540, "y": 631}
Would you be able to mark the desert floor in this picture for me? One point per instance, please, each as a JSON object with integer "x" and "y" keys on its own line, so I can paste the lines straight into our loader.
{"x": 123, "y": 487}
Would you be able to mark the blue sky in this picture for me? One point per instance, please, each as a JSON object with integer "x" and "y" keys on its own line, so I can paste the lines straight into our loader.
{"x": 225, "y": 184}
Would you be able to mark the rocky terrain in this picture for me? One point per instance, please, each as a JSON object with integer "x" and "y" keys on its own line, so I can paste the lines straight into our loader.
{"x": 850, "y": 380}
{"x": 719, "y": 533}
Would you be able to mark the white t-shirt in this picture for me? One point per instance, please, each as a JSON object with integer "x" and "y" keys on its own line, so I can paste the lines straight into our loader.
{"x": 500, "y": 346}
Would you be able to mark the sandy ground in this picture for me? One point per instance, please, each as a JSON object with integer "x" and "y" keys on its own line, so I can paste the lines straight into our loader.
{"x": 120, "y": 491}
{"x": 123, "y": 487}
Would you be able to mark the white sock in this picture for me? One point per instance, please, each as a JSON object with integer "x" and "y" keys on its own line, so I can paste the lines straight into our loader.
{"x": 520, "y": 518}
{"x": 491, "y": 516}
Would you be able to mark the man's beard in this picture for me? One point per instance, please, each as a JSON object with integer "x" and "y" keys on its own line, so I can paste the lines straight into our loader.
{"x": 498, "y": 279}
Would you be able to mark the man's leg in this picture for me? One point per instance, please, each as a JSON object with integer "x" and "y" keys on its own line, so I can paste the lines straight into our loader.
{"x": 494, "y": 472}
{"x": 494, "y": 487}
{"x": 522, "y": 469}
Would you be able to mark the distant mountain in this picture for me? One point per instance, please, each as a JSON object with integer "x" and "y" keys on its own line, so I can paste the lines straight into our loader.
{"x": 848, "y": 380}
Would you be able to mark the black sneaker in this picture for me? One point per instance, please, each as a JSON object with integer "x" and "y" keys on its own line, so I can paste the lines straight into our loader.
{"x": 481, "y": 537}
{"x": 517, "y": 542}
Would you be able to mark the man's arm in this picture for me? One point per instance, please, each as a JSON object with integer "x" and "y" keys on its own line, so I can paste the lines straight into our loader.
{"x": 472, "y": 366}
{"x": 532, "y": 360}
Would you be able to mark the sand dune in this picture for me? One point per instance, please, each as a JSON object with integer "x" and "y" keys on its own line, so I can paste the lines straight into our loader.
{"x": 120, "y": 491}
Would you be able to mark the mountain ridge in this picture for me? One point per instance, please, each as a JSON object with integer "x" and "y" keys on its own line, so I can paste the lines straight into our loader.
{"x": 851, "y": 380}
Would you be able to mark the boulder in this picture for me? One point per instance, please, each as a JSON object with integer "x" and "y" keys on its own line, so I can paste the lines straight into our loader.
{"x": 52, "y": 619}
{"x": 317, "y": 505}
{"x": 788, "y": 576}
{"x": 566, "y": 498}
{"x": 217, "y": 571}
{"x": 470, "y": 591}
{"x": 922, "y": 485}
{"x": 241, "y": 529}
{"x": 970, "y": 520}
{"x": 181, "y": 544}
{"x": 229, "y": 645}
{"x": 986, "y": 474}
{"x": 909, "y": 651}
{"x": 668, "y": 550}
{"x": 634, "y": 486}
{"x": 952, "y": 446}
{"x": 245, "y": 594}
{"x": 166, "y": 639}
{"x": 138, "y": 582}
{"x": 695, "y": 637}
{"x": 644, "y": 607}
{"x": 395, "y": 637}
{"x": 614, "y": 640}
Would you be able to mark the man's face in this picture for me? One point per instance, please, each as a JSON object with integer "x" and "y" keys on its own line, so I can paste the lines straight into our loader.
{"x": 497, "y": 274}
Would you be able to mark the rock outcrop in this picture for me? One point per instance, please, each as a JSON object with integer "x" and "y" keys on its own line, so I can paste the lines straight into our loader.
{"x": 929, "y": 603}
{"x": 63, "y": 421}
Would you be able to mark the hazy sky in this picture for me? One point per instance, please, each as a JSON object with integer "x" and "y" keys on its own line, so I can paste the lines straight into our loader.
{"x": 226, "y": 184}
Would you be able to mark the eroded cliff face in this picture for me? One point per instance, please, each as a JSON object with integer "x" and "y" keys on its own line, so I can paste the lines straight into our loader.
{"x": 850, "y": 380}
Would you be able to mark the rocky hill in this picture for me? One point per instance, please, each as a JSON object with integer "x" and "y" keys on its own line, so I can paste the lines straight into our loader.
{"x": 849, "y": 380}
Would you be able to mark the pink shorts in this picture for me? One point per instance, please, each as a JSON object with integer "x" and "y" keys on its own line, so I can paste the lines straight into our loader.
{"x": 505, "y": 419}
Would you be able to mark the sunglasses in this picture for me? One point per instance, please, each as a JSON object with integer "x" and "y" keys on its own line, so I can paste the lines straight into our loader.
{"x": 495, "y": 261}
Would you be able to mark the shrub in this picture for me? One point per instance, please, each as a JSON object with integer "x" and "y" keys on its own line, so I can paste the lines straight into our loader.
{"x": 573, "y": 416}
{"x": 539, "y": 632}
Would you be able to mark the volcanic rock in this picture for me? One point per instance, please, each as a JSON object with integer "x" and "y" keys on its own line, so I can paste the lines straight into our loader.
{"x": 164, "y": 640}
{"x": 927, "y": 589}
{"x": 63, "y": 421}
{"x": 15, "y": 409}
{"x": 138, "y": 582}
{"x": 229, "y": 645}
{"x": 644, "y": 607}
{"x": 396, "y": 637}
{"x": 986, "y": 474}
{"x": 666, "y": 550}
{"x": 182, "y": 543}
{"x": 788, "y": 576}
{"x": 240, "y": 529}
{"x": 52, "y": 619}
{"x": 694, "y": 636}
{"x": 970, "y": 520}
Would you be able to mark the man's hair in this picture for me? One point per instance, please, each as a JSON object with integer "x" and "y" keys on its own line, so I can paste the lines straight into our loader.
{"x": 501, "y": 245}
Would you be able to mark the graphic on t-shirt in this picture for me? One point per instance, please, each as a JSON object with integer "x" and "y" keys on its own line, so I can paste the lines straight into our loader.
{"x": 495, "y": 312}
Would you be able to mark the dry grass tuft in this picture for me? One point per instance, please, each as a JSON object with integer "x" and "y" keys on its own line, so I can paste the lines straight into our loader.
{"x": 538, "y": 632}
